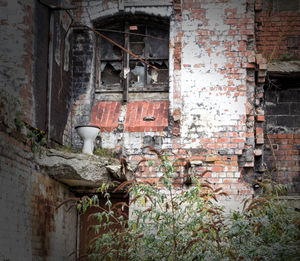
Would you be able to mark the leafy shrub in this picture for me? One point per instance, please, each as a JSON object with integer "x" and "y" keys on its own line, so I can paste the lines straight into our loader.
{"x": 170, "y": 224}
{"x": 267, "y": 229}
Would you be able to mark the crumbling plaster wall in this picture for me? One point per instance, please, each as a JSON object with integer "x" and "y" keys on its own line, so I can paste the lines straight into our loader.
{"x": 217, "y": 96}
{"x": 16, "y": 52}
{"x": 212, "y": 87}
{"x": 217, "y": 92}
{"x": 31, "y": 71}
{"x": 31, "y": 226}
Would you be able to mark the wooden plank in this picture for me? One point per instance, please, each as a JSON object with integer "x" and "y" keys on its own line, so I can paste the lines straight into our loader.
{"x": 126, "y": 65}
{"x": 121, "y": 5}
{"x": 166, "y": 89}
{"x": 108, "y": 91}
{"x": 98, "y": 63}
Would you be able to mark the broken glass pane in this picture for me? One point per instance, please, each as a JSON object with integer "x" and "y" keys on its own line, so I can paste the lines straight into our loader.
{"x": 136, "y": 75}
{"x": 109, "y": 50}
{"x": 157, "y": 48}
{"x": 138, "y": 48}
{"x": 110, "y": 73}
{"x": 160, "y": 77}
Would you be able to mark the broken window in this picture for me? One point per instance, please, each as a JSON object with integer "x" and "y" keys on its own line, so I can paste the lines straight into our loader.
{"x": 118, "y": 71}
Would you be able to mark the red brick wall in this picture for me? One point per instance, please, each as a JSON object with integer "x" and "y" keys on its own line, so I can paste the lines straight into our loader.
{"x": 105, "y": 114}
{"x": 282, "y": 154}
{"x": 277, "y": 32}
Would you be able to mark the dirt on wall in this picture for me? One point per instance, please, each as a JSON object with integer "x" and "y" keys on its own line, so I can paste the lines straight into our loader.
{"x": 45, "y": 217}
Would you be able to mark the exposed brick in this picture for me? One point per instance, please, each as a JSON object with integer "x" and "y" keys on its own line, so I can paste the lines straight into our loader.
{"x": 138, "y": 110}
{"x": 281, "y": 27}
{"x": 105, "y": 115}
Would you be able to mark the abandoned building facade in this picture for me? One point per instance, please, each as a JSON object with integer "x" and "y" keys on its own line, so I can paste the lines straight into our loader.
{"x": 212, "y": 82}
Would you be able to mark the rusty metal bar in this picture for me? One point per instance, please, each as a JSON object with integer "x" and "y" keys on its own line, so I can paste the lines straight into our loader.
{"x": 113, "y": 42}
{"x": 122, "y": 32}
{"x": 121, "y": 47}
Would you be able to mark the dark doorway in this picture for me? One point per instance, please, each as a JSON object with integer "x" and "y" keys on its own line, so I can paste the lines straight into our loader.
{"x": 87, "y": 221}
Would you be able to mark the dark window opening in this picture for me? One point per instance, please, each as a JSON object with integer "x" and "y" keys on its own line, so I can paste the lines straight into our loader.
{"x": 281, "y": 151}
{"x": 88, "y": 220}
{"x": 282, "y": 104}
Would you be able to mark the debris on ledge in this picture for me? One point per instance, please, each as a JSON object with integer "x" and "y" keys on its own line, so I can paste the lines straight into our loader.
{"x": 284, "y": 68}
{"x": 80, "y": 171}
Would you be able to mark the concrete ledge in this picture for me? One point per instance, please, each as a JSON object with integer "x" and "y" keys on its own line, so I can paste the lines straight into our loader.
{"x": 78, "y": 170}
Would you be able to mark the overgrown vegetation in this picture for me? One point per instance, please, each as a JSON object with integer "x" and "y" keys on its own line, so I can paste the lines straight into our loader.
{"x": 11, "y": 116}
{"x": 37, "y": 139}
{"x": 103, "y": 152}
{"x": 65, "y": 148}
{"x": 170, "y": 224}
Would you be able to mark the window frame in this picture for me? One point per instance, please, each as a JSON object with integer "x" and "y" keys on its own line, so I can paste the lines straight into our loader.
{"x": 125, "y": 59}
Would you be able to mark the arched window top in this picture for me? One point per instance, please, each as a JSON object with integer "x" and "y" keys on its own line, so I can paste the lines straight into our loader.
{"x": 122, "y": 18}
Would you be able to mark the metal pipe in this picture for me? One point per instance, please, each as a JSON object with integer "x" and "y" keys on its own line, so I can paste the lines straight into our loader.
{"x": 50, "y": 65}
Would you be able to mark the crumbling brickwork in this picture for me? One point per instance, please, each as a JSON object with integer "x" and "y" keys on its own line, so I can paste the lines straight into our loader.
{"x": 212, "y": 64}
{"x": 277, "y": 39}
{"x": 83, "y": 65}
{"x": 213, "y": 104}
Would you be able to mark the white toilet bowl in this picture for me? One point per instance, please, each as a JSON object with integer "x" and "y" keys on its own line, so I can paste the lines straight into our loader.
{"x": 88, "y": 133}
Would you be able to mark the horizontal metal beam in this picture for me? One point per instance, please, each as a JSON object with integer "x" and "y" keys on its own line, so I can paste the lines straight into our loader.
{"x": 133, "y": 91}
{"x": 134, "y": 3}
